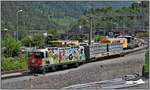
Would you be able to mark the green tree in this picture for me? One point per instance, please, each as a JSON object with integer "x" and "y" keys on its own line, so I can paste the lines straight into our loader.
{"x": 11, "y": 45}
{"x": 106, "y": 17}
{"x": 53, "y": 34}
{"x": 33, "y": 40}
{"x": 38, "y": 40}
{"x": 53, "y": 31}
{"x": 28, "y": 41}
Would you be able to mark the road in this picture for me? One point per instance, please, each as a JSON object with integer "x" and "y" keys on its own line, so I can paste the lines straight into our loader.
{"x": 89, "y": 72}
{"x": 142, "y": 86}
{"x": 117, "y": 83}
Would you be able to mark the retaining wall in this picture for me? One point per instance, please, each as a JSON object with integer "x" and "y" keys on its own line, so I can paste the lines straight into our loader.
{"x": 124, "y": 67}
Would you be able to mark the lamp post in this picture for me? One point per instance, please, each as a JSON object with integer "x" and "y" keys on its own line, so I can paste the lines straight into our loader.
{"x": 17, "y": 21}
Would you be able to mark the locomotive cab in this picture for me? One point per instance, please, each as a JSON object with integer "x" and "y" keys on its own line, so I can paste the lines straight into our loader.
{"x": 36, "y": 59}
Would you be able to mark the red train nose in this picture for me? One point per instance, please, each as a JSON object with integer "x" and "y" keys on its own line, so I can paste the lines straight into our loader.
{"x": 39, "y": 62}
{"x": 35, "y": 62}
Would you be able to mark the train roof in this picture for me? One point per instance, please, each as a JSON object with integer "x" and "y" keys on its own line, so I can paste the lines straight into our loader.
{"x": 116, "y": 38}
{"x": 40, "y": 50}
{"x": 125, "y": 36}
{"x": 65, "y": 41}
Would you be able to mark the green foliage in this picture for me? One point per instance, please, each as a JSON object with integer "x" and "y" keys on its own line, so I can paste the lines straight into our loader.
{"x": 98, "y": 38}
{"x": 27, "y": 41}
{"x": 44, "y": 15}
{"x": 33, "y": 40}
{"x": 109, "y": 18}
{"x": 53, "y": 34}
{"x": 146, "y": 63}
{"x": 80, "y": 38}
{"x": 13, "y": 64}
{"x": 53, "y": 31}
{"x": 11, "y": 45}
{"x": 84, "y": 21}
{"x": 39, "y": 40}
{"x": 74, "y": 37}
{"x": 64, "y": 15}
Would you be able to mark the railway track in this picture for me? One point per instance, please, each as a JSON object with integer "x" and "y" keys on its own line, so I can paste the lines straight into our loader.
{"x": 9, "y": 72}
{"x": 19, "y": 73}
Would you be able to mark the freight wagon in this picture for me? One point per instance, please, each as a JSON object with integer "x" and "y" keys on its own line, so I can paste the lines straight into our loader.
{"x": 102, "y": 50}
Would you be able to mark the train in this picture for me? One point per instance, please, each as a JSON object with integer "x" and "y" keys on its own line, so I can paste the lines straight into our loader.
{"x": 131, "y": 41}
{"x": 122, "y": 41}
{"x": 50, "y": 58}
{"x": 128, "y": 42}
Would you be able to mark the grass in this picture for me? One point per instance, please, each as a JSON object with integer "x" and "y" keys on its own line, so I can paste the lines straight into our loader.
{"x": 12, "y": 64}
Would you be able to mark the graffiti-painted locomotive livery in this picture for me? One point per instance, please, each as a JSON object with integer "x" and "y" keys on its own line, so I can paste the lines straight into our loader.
{"x": 52, "y": 56}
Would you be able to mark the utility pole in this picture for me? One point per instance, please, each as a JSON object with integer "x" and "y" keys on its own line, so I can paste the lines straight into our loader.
{"x": 90, "y": 33}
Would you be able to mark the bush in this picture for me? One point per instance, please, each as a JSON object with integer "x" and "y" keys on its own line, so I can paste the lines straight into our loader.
{"x": 13, "y": 64}
{"x": 146, "y": 63}
{"x": 11, "y": 45}
{"x": 98, "y": 38}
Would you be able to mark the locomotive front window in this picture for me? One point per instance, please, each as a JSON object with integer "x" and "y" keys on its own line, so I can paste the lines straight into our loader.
{"x": 37, "y": 54}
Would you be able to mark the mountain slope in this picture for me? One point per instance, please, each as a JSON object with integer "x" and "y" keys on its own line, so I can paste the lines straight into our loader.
{"x": 48, "y": 14}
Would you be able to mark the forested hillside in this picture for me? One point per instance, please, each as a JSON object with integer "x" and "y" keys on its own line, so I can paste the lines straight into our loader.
{"x": 134, "y": 16}
{"x": 45, "y": 15}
